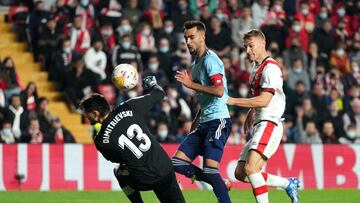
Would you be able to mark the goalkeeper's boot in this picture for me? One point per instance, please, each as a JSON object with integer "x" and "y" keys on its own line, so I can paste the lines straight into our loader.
{"x": 292, "y": 190}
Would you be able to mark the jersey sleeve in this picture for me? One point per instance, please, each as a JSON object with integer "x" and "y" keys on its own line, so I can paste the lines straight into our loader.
{"x": 213, "y": 66}
{"x": 271, "y": 77}
{"x": 146, "y": 102}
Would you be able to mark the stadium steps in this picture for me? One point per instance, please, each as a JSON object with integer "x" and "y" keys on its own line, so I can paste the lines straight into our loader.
{"x": 29, "y": 71}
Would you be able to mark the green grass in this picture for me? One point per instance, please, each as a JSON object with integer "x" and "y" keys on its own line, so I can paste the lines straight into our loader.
{"x": 191, "y": 196}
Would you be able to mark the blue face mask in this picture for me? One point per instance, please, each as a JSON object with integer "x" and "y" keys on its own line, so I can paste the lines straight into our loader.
{"x": 153, "y": 66}
{"x": 162, "y": 134}
{"x": 6, "y": 132}
{"x": 164, "y": 49}
{"x": 126, "y": 45}
{"x": 67, "y": 50}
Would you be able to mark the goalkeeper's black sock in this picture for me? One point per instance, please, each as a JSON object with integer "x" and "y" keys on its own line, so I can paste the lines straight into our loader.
{"x": 135, "y": 197}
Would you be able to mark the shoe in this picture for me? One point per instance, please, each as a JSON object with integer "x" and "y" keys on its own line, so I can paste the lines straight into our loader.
{"x": 292, "y": 190}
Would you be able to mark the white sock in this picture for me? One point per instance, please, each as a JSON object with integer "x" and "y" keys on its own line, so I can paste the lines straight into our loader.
{"x": 259, "y": 187}
{"x": 276, "y": 181}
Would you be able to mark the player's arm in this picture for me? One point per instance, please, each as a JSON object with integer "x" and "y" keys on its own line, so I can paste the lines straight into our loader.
{"x": 195, "y": 122}
{"x": 260, "y": 101}
{"x": 216, "y": 89}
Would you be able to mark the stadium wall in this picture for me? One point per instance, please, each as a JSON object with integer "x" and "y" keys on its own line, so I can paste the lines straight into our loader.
{"x": 80, "y": 167}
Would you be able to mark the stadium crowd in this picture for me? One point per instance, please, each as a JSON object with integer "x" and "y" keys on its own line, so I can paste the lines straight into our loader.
{"x": 79, "y": 42}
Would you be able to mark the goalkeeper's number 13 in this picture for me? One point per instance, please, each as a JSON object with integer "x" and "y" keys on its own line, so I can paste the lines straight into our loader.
{"x": 140, "y": 135}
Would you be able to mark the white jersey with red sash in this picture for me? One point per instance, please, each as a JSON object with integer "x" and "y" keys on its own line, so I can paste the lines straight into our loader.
{"x": 267, "y": 77}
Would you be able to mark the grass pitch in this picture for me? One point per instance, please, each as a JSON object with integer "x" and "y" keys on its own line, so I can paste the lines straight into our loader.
{"x": 191, "y": 196}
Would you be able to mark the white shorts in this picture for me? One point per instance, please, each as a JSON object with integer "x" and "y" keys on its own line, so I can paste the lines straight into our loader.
{"x": 265, "y": 140}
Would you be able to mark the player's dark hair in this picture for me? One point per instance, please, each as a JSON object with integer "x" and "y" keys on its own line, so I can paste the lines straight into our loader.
{"x": 254, "y": 33}
{"x": 96, "y": 102}
{"x": 194, "y": 23}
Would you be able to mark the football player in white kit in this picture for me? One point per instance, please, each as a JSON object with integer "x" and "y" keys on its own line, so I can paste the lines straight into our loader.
{"x": 264, "y": 120}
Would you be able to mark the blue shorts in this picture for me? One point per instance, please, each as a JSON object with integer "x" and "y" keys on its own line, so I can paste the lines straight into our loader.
{"x": 207, "y": 140}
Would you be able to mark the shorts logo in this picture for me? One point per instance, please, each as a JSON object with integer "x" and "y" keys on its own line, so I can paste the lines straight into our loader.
{"x": 254, "y": 143}
{"x": 211, "y": 139}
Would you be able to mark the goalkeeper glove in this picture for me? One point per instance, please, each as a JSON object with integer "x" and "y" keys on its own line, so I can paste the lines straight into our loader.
{"x": 149, "y": 82}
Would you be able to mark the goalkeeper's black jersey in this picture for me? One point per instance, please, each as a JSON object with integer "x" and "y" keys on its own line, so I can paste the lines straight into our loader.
{"x": 124, "y": 138}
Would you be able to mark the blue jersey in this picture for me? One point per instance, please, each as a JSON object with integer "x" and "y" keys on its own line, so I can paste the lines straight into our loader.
{"x": 212, "y": 107}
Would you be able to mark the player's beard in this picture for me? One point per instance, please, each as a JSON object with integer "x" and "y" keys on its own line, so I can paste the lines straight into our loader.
{"x": 92, "y": 121}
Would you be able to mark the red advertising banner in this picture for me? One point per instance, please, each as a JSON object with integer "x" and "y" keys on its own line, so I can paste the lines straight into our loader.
{"x": 81, "y": 167}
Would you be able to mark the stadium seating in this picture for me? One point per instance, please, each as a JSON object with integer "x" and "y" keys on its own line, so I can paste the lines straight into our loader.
{"x": 29, "y": 71}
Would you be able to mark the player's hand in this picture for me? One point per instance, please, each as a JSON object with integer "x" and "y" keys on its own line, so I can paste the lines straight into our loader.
{"x": 230, "y": 101}
{"x": 184, "y": 78}
{"x": 149, "y": 82}
{"x": 249, "y": 121}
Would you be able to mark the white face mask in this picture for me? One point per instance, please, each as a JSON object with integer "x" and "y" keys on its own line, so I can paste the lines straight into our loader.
{"x": 164, "y": 49}
{"x": 355, "y": 69}
{"x": 153, "y": 66}
{"x": 146, "y": 32}
{"x": 341, "y": 12}
{"x": 296, "y": 28}
{"x": 243, "y": 92}
{"x": 168, "y": 30}
{"x": 351, "y": 134}
{"x": 305, "y": 11}
{"x": 277, "y": 8}
{"x": 126, "y": 28}
{"x": 162, "y": 134}
{"x": 67, "y": 50}
{"x": 340, "y": 52}
{"x": 323, "y": 15}
{"x": 297, "y": 70}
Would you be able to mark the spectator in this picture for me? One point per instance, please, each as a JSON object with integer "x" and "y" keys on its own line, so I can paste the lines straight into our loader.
{"x": 180, "y": 13}
{"x": 146, "y": 42}
{"x": 95, "y": 60}
{"x": 132, "y": 12}
{"x": 298, "y": 73}
{"x": 235, "y": 135}
{"x": 296, "y": 31}
{"x": 33, "y": 134}
{"x": 275, "y": 32}
{"x": 29, "y": 97}
{"x": 291, "y": 132}
{"x": 49, "y": 37}
{"x": 312, "y": 57}
{"x": 353, "y": 116}
{"x": 17, "y": 115}
{"x": 306, "y": 18}
{"x": 340, "y": 60}
{"x": 352, "y": 78}
{"x": 106, "y": 33}
{"x": 154, "y": 15}
{"x": 63, "y": 15}
{"x": 85, "y": 10}
{"x": 318, "y": 98}
{"x": 125, "y": 52}
{"x": 240, "y": 25}
{"x": 79, "y": 82}
{"x": 328, "y": 135}
{"x": 294, "y": 52}
{"x": 10, "y": 77}
{"x": 309, "y": 134}
{"x": 58, "y": 134}
{"x": 351, "y": 136}
{"x": 36, "y": 18}
{"x": 295, "y": 97}
{"x": 184, "y": 131}
{"x": 323, "y": 15}
{"x": 168, "y": 33}
{"x": 169, "y": 115}
{"x": 124, "y": 28}
{"x": 163, "y": 134}
{"x": 62, "y": 62}
{"x": 336, "y": 117}
{"x": 218, "y": 38}
{"x": 324, "y": 39}
{"x": 153, "y": 69}
{"x": 177, "y": 102}
{"x": 80, "y": 37}
{"x": 165, "y": 57}
{"x": 7, "y": 135}
{"x": 260, "y": 11}
{"x": 44, "y": 115}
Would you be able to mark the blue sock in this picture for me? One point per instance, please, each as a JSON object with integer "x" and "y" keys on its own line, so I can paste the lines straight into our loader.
{"x": 187, "y": 169}
{"x": 215, "y": 180}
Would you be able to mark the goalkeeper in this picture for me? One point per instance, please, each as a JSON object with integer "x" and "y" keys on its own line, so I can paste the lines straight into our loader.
{"x": 122, "y": 137}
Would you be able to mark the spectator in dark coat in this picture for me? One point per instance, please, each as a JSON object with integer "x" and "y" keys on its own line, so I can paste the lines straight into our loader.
{"x": 58, "y": 134}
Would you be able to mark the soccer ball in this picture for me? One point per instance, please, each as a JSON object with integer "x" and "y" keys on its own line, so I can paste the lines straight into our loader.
{"x": 125, "y": 76}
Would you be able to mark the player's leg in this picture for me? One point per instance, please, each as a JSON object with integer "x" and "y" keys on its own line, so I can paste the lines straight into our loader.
{"x": 122, "y": 176}
{"x": 169, "y": 191}
{"x": 214, "y": 147}
{"x": 189, "y": 149}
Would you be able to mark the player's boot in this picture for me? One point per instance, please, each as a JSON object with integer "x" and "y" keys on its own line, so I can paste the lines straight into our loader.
{"x": 292, "y": 190}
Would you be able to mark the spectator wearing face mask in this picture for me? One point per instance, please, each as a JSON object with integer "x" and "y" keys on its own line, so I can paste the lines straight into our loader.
{"x": 125, "y": 52}
{"x": 321, "y": 17}
{"x": 306, "y": 17}
{"x": 298, "y": 73}
{"x": 163, "y": 135}
{"x": 353, "y": 115}
{"x": 132, "y": 12}
{"x": 351, "y": 135}
{"x": 297, "y": 31}
{"x": 165, "y": 57}
{"x": 328, "y": 134}
{"x": 58, "y": 134}
{"x": 168, "y": 33}
{"x": 309, "y": 134}
{"x": 7, "y": 135}
{"x": 351, "y": 23}
{"x": 294, "y": 52}
{"x": 86, "y": 10}
{"x": 180, "y": 13}
{"x": 153, "y": 70}
{"x": 339, "y": 59}
{"x": 323, "y": 37}
{"x": 95, "y": 60}
{"x": 169, "y": 115}
{"x": 80, "y": 37}
{"x": 62, "y": 62}
{"x": 124, "y": 28}
{"x": 154, "y": 15}
{"x": 106, "y": 33}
